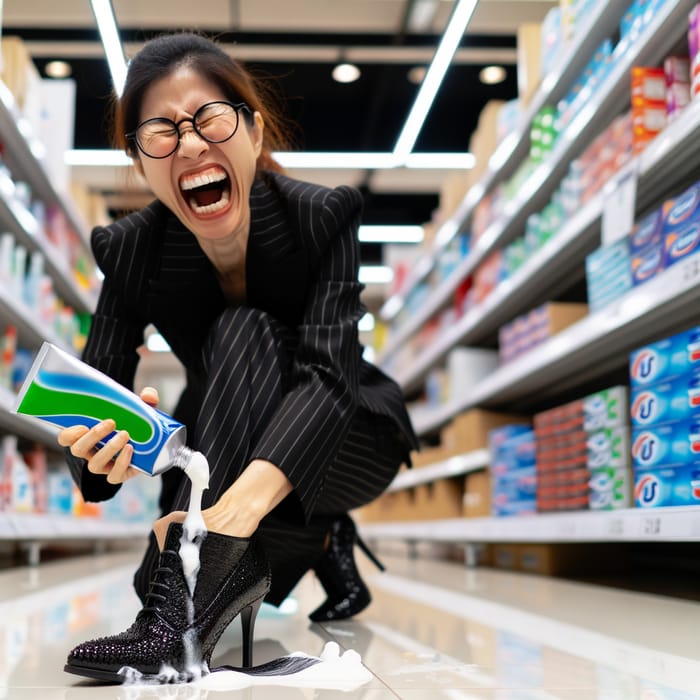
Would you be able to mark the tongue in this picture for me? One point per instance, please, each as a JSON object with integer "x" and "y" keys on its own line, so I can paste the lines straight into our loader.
{"x": 203, "y": 197}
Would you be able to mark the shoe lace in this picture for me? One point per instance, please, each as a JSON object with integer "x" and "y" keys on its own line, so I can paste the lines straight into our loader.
{"x": 152, "y": 594}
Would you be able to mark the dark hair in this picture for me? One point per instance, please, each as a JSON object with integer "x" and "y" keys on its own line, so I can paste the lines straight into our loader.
{"x": 161, "y": 56}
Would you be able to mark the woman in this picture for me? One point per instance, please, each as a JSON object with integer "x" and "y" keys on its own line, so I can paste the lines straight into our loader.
{"x": 251, "y": 277}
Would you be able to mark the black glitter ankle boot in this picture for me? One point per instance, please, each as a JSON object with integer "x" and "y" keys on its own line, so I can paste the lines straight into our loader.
{"x": 162, "y": 643}
{"x": 336, "y": 570}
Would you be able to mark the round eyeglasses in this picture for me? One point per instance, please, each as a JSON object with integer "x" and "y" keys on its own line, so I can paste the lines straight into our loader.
{"x": 215, "y": 122}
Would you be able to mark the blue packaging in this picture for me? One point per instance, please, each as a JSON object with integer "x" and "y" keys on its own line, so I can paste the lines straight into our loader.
{"x": 681, "y": 225}
{"x": 670, "y": 444}
{"x": 667, "y": 401}
{"x": 647, "y": 263}
{"x": 667, "y": 486}
{"x": 647, "y": 232}
{"x": 667, "y": 358}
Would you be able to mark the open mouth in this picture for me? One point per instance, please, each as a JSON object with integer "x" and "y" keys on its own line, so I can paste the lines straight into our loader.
{"x": 206, "y": 192}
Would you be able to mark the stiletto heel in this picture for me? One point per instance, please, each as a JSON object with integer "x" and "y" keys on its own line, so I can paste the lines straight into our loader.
{"x": 369, "y": 553}
{"x": 234, "y": 578}
{"x": 248, "y": 616}
{"x": 336, "y": 570}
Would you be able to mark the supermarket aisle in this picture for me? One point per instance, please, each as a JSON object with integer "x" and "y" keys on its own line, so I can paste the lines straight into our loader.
{"x": 435, "y": 630}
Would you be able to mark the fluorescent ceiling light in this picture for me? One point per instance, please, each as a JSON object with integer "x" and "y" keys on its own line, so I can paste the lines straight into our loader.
{"x": 289, "y": 159}
{"x": 492, "y": 75}
{"x": 375, "y": 274}
{"x": 107, "y": 25}
{"x": 57, "y": 69}
{"x": 391, "y": 234}
{"x": 454, "y": 32}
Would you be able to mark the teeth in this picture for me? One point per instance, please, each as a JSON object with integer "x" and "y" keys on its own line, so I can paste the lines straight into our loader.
{"x": 209, "y": 208}
{"x": 206, "y": 178}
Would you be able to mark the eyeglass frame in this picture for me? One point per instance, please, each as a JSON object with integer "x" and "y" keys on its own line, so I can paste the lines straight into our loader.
{"x": 132, "y": 137}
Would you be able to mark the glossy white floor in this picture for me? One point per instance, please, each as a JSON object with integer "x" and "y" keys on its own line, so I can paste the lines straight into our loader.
{"x": 435, "y": 630}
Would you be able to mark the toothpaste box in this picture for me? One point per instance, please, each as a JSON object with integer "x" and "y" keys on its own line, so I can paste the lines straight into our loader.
{"x": 647, "y": 263}
{"x": 669, "y": 444}
{"x": 670, "y": 357}
{"x": 681, "y": 225}
{"x": 667, "y": 486}
{"x": 609, "y": 447}
{"x": 667, "y": 401}
{"x": 646, "y": 232}
{"x": 606, "y": 409}
{"x": 610, "y": 488}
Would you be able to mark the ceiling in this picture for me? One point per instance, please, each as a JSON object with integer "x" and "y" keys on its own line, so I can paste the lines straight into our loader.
{"x": 296, "y": 43}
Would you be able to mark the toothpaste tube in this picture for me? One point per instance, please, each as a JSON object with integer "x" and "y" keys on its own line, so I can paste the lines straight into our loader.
{"x": 63, "y": 391}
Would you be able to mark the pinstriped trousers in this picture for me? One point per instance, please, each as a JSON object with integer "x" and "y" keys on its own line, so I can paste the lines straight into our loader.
{"x": 247, "y": 362}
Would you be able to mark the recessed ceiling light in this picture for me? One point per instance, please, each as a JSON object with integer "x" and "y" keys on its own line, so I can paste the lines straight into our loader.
{"x": 491, "y": 75}
{"x": 416, "y": 74}
{"x": 57, "y": 69}
{"x": 346, "y": 73}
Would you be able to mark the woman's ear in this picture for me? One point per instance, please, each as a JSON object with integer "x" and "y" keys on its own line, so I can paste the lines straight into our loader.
{"x": 256, "y": 133}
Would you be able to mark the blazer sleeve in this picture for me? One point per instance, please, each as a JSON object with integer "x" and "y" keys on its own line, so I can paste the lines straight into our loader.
{"x": 116, "y": 331}
{"x": 314, "y": 416}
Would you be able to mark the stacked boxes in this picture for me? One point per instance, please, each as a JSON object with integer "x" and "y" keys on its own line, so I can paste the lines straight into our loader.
{"x": 646, "y": 248}
{"x": 583, "y": 450}
{"x": 677, "y": 71}
{"x": 513, "y": 470}
{"x": 608, "y": 274}
{"x": 665, "y": 416}
{"x": 648, "y": 105}
{"x": 534, "y": 328}
{"x": 694, "y": 49}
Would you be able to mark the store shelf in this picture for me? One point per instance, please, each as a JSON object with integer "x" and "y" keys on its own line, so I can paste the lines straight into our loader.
{"x": 609, "y": 100}
{"x": 667, "y": 163}
{"x": 586, "y": 349}
{"x": 680, "y": 524}
{"x": 514, "y": 148}
{"x": 454, "y": 466}
{"x": 28, "y": 427}
{"x": 47, "y": 527}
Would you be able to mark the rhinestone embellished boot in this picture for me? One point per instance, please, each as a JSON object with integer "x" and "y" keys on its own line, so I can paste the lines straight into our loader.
{"x": 170, "y": 640}
{"x": 336, "y": 570}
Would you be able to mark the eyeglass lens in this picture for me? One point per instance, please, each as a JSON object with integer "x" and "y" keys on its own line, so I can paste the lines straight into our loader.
{"x": 214, "y": 122}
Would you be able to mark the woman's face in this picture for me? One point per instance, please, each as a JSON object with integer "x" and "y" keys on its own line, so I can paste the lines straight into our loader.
{"x": 225, "y": 209}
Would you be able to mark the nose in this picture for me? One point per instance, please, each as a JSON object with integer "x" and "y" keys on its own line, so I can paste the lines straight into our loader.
{"x": 191, "y": 144}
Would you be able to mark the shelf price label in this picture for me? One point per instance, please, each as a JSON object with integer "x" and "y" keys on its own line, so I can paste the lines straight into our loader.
{"x": 619, "y": 199}
{"x": 616, "y": 527}
{"x": 651, "y": 525}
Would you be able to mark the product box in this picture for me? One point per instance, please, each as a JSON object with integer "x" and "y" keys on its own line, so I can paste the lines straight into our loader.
{"x": 667, "y": 401}
{"x": 515, "y": 453}
{"x": 681, "y": 225}
{"x": 476, "y": 502}
{"x": 610, "y": 488}
{"x": 529, "y": 57}
{"x": 470, "y": 431}
{"x": 606, "y": 409}
{"x": 672, "y": 443}
{"x": 667, "y": 486}
{"x": 647, "y": 263}
{"x": 665, "y": 359}
{"x": 609, "y": 447}
{"x": 439, "y": 499}
{"x": 646, "y": 232}
{"x": 551, "y": 318}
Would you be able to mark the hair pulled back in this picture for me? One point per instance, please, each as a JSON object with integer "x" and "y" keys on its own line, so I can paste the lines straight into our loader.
{"x": 161, "y": 56}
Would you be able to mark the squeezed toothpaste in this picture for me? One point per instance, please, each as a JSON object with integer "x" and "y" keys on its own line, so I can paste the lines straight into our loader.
{"x": 64, "y": 391}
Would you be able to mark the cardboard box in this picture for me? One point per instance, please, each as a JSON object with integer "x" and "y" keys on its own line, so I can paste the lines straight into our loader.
{"x": 476, "y": 501}
{"x": 563, "y": 559}
{"x": 549, "y": 319}
{"x": 529, "y": 53}
{"x": 439, "y": 499}
{"x": 505, "y": 556}
{"x": 470, "y": 431}
{"x": 484, "y": 140}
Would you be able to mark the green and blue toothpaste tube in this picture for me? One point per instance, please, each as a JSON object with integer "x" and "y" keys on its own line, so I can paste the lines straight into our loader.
{"x": 62, "y": 390}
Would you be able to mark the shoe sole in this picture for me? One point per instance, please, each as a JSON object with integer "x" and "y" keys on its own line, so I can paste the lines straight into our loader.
{"x": 95, "y": 673}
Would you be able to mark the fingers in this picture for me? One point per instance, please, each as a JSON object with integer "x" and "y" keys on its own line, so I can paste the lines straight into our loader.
{"x": 84, "y": 446}
{"x": 68, "y": 436}
{"x": 150, "y": 396}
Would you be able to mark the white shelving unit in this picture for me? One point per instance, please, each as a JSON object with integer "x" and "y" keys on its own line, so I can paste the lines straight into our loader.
{"x": 454, "y": 466}
{"x": 590, "y": 348}
{"x": 680, "y": 524}
{"x": 610, "y": 98}
{"x": 48, "y": 527}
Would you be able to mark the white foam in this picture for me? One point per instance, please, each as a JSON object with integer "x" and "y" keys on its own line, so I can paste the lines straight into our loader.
{"x": 335, "y": 671}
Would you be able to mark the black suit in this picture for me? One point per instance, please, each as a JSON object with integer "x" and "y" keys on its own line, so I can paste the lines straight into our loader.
{"x": 301, "y": 398}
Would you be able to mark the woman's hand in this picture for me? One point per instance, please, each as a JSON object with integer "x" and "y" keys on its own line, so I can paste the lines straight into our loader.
{"x": 113, "y": 459}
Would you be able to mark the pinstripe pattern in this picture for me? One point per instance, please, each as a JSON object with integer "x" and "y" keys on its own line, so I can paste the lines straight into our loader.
{"x": 280, "y": 379}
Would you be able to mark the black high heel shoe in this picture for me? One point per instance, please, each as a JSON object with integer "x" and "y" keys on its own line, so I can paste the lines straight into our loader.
{"x": 162, "y": 643}
{"x": 336, "y": 570}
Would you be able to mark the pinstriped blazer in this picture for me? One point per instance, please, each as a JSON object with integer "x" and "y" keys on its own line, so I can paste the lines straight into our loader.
{"x": 301, "y": 268}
